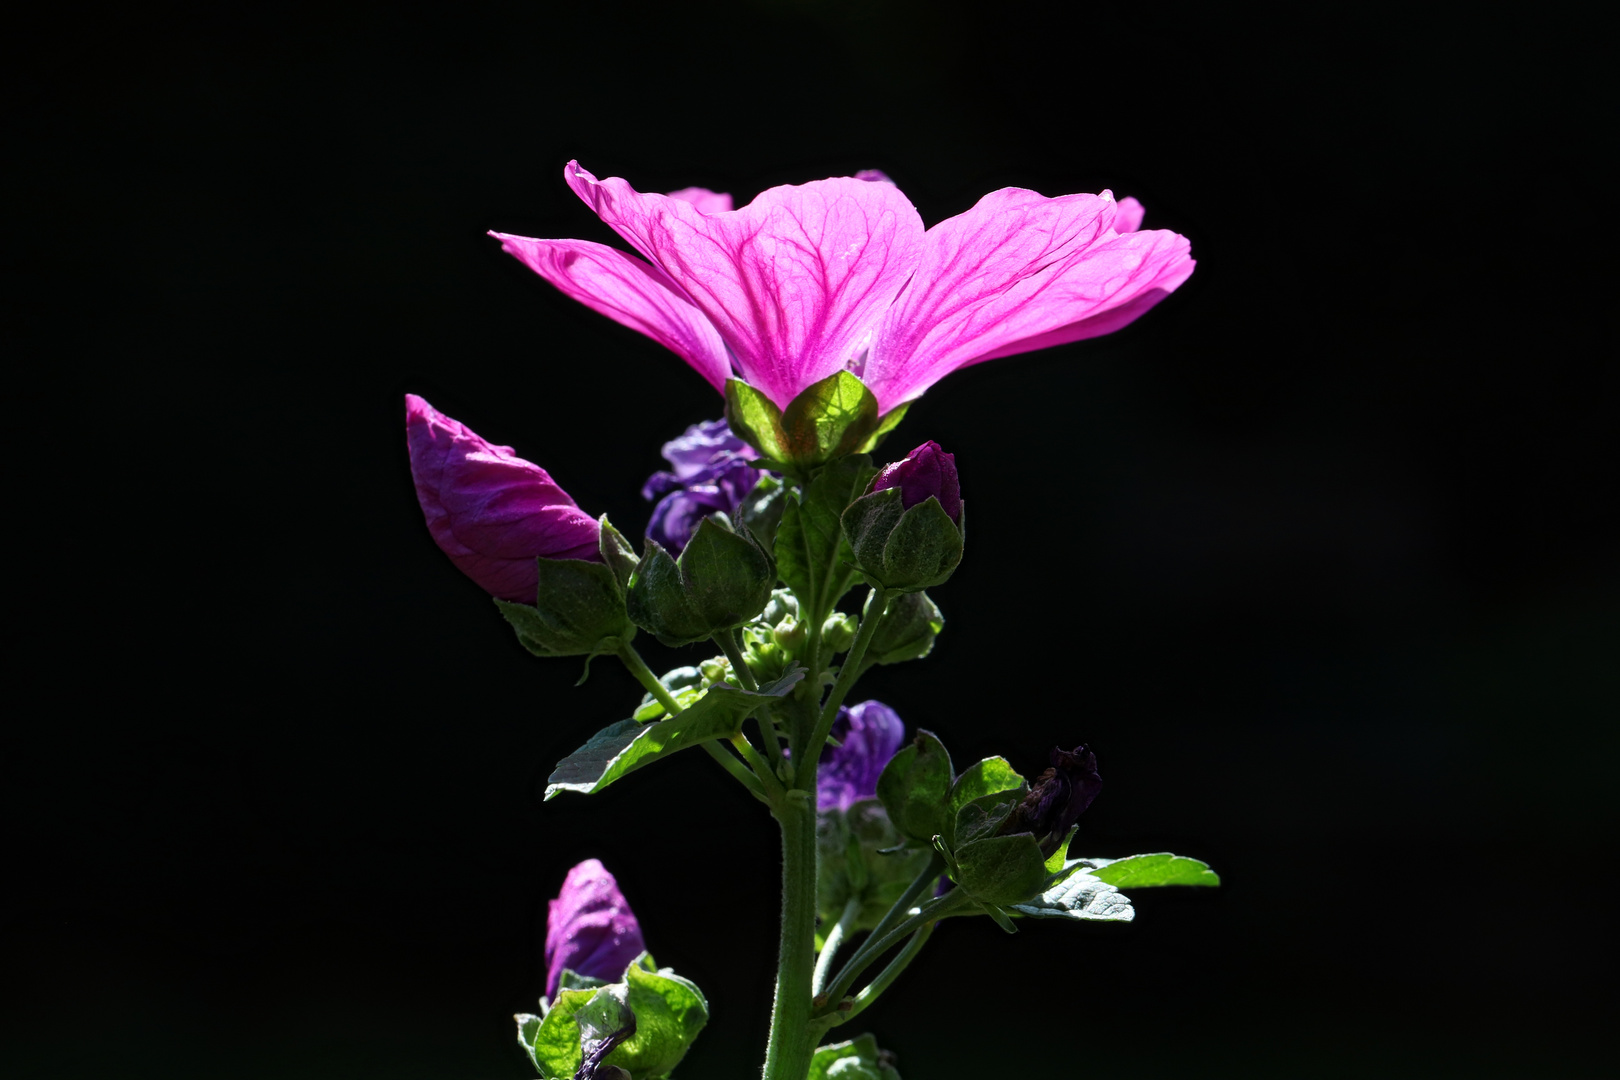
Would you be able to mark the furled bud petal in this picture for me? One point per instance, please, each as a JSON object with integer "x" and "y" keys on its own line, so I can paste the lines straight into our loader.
{"x": 925, "y": 471}
{"x": 590, "y": 929}
{"x": 1058, "y": 798}
{"x": 869, "y": 733}
{"x": 489, "y": 510}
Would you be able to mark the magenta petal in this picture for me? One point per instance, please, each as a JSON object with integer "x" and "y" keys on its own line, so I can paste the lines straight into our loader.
{"x": 629, "y": 292}
{"x": 590, "y": 928}
{"x": 1016, "y": 266}
{"x": 794, "y": 281}
{"x": 709, "y": 202}
{"x": 1128, "y": 216}
{"x": 489, "y": 510}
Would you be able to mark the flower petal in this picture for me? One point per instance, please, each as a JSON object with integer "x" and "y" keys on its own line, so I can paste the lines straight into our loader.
{"x": 710, "y": 202}
{"x": 629, "y": 292}
{"x": 794, "y": 281}
{"x": 1016, "y": 266}
{"x": 1128, "y": 215}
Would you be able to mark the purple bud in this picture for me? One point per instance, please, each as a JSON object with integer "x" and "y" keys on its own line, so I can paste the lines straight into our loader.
{"x": 712, "y": 473}
{"x": 871, "y": 734}
{"x": 489, "y": 510}
{"x": 590, "y": 928}
{"x": 1058, "y": 798}
{"x": 925, "y": 471}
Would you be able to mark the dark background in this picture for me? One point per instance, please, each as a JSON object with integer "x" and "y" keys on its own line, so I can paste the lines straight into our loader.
{"x": 1320, "y": 555}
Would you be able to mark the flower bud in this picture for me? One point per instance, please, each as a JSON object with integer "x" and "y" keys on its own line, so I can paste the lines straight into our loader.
{"x": 489, "y": 510}
{"x": 1058, "y": 798}
{"x": 790, "y": 634}
{"x": 906, "y": 532}
{"x": 907, "y": 632}
{"x": 590, "y": 929}
{"x": 838, "y": 632}
{"x": 723, "y": 579}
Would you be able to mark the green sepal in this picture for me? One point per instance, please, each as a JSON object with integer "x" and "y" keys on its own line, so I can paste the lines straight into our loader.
{"x": 628, "y": 745}
{"x": 670, "y": 1012}
{"x": 827, "y": 420}
{"x": 617, "y": 553}
{"x": 887, "y": 423}
{"x": 656, "y": 602}
{"x": 755, "y": 419}
{"x": 761, "y": 509}
{"x": 812, "y": 555}
{"x": 1078, "y": 896}
{"x": 1058, "y": 862}
{"x": 987, "y": 776}
{"x": 1159, "y": 868}
{"x": 915, "y": 788}
{"x": 1002, "y": 870}
{"x": 722, "y": 580}
{"x": 903, "y": 550}
{"x": 555, "y": 1048}
{"x": 908, "y": 632}
{"x": 980, "y": 818}
{"x": 528, "y": 1025}
{"x": 579, "y": 610}
{"x": 1000, "y": 918}
{"x": 573, "y": 980}
{"x": 857, "y": 1059}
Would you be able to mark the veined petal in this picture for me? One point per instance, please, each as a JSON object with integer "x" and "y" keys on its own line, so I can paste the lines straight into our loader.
{"x": 794, "y": 281}
{"x": 710, "y": 202}
{"x": 631, "y": 293}
{"x": 1128, "y": 215}
{"x": 1016, "y": 266}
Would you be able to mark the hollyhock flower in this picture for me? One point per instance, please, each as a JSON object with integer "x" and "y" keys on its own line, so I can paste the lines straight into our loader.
{"x": 489, "y": 510}
{"x": 927, "y": 470}
{"x": 870, "y": 734}
{"x": 590, "y": 928}
{"x": 712, "y": 472}
{"x": 839, "y": 274}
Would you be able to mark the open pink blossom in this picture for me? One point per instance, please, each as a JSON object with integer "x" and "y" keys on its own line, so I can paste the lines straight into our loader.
{"x": 839, "y": 274}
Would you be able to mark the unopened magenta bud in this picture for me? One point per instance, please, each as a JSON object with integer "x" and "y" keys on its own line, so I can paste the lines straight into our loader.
{"x": 925, "y": 471}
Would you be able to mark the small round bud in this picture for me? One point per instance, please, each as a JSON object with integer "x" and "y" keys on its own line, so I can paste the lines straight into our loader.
{"x": 790, "y": 634}
{"x": 715, "y": 670}
{"x": 838, "y": 632}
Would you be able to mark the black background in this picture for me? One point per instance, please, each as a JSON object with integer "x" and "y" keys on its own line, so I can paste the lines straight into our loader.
{"x": 1319, "y": 555}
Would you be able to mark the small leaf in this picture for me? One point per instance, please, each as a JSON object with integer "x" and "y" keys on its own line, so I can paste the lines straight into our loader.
{"x": 669, "y": 1013}
{"x": 627, "y": 745}
{"x": 1081, "y": 897}
{"x": 915, "y": 785}
{"x": 857, "y": 1059}
{"x": 1161, "y": 868}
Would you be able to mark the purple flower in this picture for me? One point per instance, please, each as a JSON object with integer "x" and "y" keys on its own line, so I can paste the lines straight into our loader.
{"x": 839, "y": 274}
{"x": 489, "y": 510}
{"x": 590, "y": 929}
{"x": 871, "y": 734}
{"x": 712, "y": 473}
{"x": 925, "y": 471}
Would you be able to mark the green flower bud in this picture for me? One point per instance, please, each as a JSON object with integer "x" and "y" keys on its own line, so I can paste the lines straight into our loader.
{"x": 781, "y": 605}
{"x": 722, "y": 579}
{"x": 715, "y": 670}
{"x": 907, "y": 530}
{"x": 790, "y": 634}
{"x": 579, "y": 610}
{"x": 838, "y": 632}
{"x": 908, "y": 632}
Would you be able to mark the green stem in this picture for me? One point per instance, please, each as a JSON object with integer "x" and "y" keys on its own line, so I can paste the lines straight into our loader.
{"x": 788, "y": 1054}
{"x": 773, "y": 786}
{"x": 847, "y": 674}
{"x": 951, "y": 903}
{"x": 829, "y": 948}
{"x": 638, "y": 667}
{"x": 727, "y": 640}
{"x": 902, "y": 960}
{"x": 921, "y": 883}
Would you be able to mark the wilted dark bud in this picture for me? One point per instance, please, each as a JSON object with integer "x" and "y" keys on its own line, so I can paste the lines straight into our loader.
{"x": 722, "y": 579}
{"x": 906, "y": 532}
{"x": 1058, "y": 798}
{"x": 838, "y": 632}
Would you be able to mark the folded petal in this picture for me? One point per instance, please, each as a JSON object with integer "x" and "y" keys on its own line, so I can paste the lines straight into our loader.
{"x": 631, "y": 293}
{"x": 1015, "y": 267}
{"x": 1128, "y": 215}
{"x": 710, "y": 202}
{"x": 794, "y": 281}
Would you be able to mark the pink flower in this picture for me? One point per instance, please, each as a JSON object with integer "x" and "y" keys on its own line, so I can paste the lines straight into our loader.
{"x": 590, "y": 928}
{"x": 835, "y": 274}
{"x": 489, "y": 510}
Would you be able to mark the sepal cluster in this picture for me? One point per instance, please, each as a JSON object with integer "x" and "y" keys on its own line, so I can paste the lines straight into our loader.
{"x": 579, "y": 607}
{"x": 829, "y": 419}
{"x": 722, "y": 579}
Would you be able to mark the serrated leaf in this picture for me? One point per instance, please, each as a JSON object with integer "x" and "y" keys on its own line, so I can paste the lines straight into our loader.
{"x": 811, "y": 553}
{"x": 1081, "y": 897}
{"x": 1144, "y": 871}
{"x": 626, "y": 746}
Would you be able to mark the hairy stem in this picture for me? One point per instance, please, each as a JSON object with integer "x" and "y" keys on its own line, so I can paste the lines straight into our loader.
{"x": 847, "y": 674}
{"x": 788, "y": 1055}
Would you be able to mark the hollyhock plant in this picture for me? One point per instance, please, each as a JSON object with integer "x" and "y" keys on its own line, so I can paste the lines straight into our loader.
{"x": 712, "y": 472}
{"x": 590, "y": 928}
{"x": 489, "y": 510}
{"x": 840, "y": 275}
{"x": 868, "y": 735}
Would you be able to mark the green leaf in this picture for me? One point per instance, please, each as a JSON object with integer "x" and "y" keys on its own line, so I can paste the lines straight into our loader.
{"x": 915, "y": 788}
{"x": 627, "y": 745}
{"x": 829, "y": 419}
{"x": 857, "y": 1059}
{"x": 811, "y": 554}
{"x": 1079, "y": 896}
{"x": 980, "y": 818}
{"x": 1002, "y": 870}
{"x": 761, "y": 510}
{"x": 985, "y": 777}
{"x": 555, "y": 1049}
{"x": 755, "y": 419}
{"x": 670, "y": 1012}
{"x": 1161, "y": 868}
